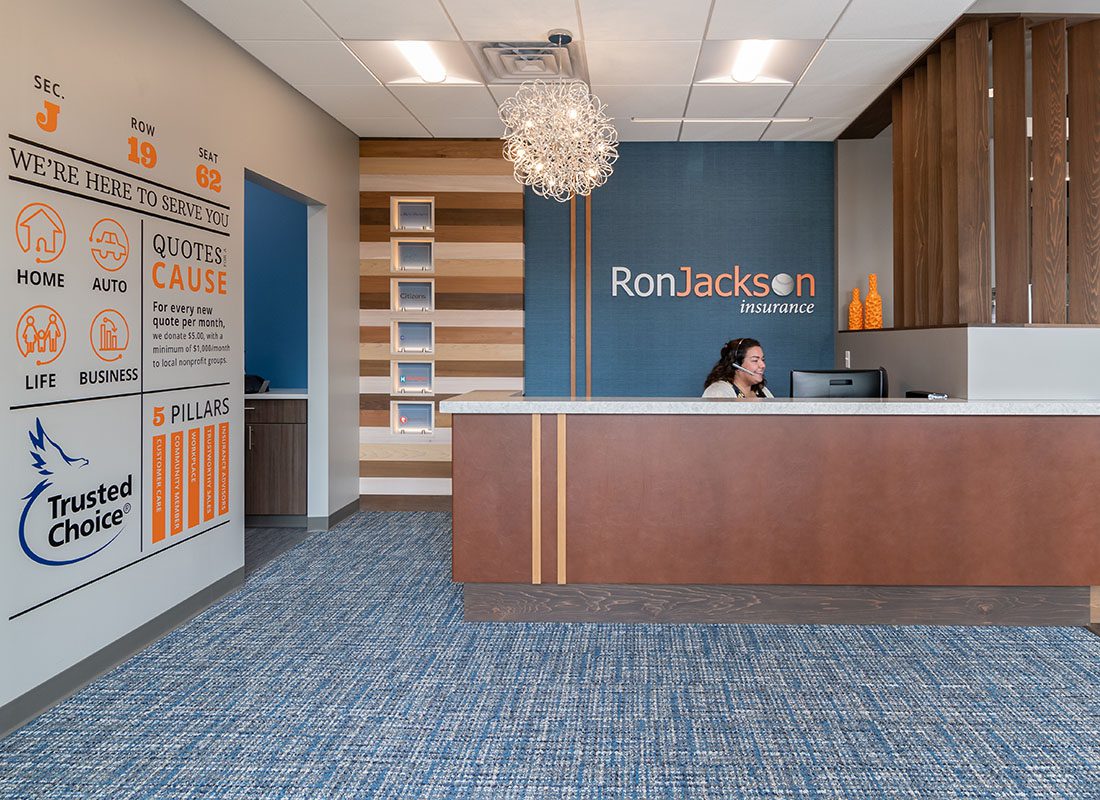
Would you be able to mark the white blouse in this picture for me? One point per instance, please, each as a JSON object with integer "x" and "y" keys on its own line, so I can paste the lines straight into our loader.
{"x": 727, "y": 389}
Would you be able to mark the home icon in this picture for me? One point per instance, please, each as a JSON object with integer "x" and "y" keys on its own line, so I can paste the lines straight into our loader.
{"x": 40, "y": 229}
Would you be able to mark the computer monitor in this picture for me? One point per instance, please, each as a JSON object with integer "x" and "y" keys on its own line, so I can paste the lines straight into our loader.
{"x": 839, "y": 383}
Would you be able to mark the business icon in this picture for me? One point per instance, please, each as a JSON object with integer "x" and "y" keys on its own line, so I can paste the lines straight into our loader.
{"x": 77, "y": 517}
{"x": 40, "y": 230}
{"x": 109, "y": 334}
{"x": 40, "y": 334}
{"x": 110, "y": 245}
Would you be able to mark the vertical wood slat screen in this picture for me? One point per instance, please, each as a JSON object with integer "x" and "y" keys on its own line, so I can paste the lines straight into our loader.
{"x": 1084, "y": 173}
{"x": 944, "y": 205}
{"x": 1048, "y": 190}
{"x": 1010, "y": 201}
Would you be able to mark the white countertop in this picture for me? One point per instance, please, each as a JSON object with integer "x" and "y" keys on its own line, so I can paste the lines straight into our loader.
{"x": 279, "y": 394}
{"x": 502, "y": 402}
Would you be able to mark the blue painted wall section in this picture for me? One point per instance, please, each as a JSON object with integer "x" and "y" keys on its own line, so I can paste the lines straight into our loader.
{"x": 275, "y": 321}
{"x": 767, "y": 208}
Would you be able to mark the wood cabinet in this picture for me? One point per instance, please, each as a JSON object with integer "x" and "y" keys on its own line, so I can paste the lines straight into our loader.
{"x": 275, "y": 457}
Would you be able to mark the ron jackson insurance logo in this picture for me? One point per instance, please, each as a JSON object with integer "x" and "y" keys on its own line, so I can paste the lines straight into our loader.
{"x": 65, "y": 517}
{"x": 785, "y": 293}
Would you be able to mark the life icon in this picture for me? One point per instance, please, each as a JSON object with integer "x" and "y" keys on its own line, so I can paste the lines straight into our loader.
{"x": 109, "y": 335}
{"x": 110, "y": 245}
{"x": 40, "y": 334}
{"x": 40, "y": 229}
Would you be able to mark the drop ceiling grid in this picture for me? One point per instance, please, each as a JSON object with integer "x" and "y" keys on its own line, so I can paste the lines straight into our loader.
{"x": 645, "y": 57}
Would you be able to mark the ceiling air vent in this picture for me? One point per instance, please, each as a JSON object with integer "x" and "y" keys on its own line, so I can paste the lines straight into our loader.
{"x": 516, "y": 63}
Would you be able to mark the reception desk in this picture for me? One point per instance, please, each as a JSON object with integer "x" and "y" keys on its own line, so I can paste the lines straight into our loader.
{"x": 882, "y": 511}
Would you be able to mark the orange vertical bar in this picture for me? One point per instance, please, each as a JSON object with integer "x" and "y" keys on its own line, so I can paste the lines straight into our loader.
{"x": 175, "y": 497}
{"x": 193, "y": 460}
{"x": 208, "y": 473}
{"x": 223, "y": 468}
{"x": 158, "y": 488}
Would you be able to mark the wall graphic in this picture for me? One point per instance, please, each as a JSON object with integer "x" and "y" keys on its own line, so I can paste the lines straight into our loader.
{"x": 692, "y": 244}
{"x": 122, "y": 355}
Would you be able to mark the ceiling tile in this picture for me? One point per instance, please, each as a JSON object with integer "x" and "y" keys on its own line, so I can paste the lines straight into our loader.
{"x": 898, "y": 19}
{"x": 735, "y": 100}
{"x": 829, "y": 101}
{"x": 647, "y": 131}
{"x": 389, "y": 65}
{"x": 437, "y": 102}
{"x": 767, "y": 19}
{"x": 512, "y": 20}
{"x": 819, "y": 129}
{"x": 722, "y": 131}
{"x": 624, "y": 102}
{"x": 355, "y": 101}
{"x": 385, "y": 19}
{"x": 643, "y": 20}
{"x": 263, "y": 19}
{"x": 786, "y": 61}
{"x": 385, "y": 126}
{"x": 641, "y": 63}
{"x": 862, "y": 62}
{"x": 311, "y": 63}
{"x": 459, "y": 128}
{"x": 503, "y": 91}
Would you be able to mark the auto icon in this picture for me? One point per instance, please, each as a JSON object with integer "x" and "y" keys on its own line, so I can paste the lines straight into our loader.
{"x": 109, "y": 246}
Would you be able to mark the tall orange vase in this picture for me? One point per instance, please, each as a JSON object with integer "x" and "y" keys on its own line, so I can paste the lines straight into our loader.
{"x": 855, "y": 312}
{"x": 873, "y": 309}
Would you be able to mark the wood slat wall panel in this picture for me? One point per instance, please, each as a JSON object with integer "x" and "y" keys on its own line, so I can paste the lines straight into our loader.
{"x": 404, "y": 469}
{"x": 898, "y": 146}
{"x": 934, "y": 290}
{"x": 1084, "y": 165}
{"x": 921, "y": 222}
{"x": 426, "y": 184}
{"x": 434, "y": 166}
{"x": 474, "y": 335}
{"x": 1010, "y": 200}
{"x": 909, "y": 205}
{"x": 458, "y": 217}
{"x": 1048, "y": 169}
{"x": 431, "y": 148}
{"x": 949, "y": 188}
{"x": 451, "y": 233}
{"x": 450, "y": 200}
{"x": 971, "y": 76}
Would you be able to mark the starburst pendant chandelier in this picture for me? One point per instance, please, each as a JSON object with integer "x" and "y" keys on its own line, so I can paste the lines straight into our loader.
{"x": 559, "y": 139}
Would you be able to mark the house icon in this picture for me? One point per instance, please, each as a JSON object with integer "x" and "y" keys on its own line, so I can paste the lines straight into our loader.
{"x": 40, "y": 229}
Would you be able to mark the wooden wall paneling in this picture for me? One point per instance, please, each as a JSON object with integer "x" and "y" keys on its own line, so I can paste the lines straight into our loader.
{"x": 1048, "y": 170}
{"x": 1010, "y": 179}
{"x": 949, "y": 185}
{"x": 898, "y": 144}
{"x": 1084, "y": 173}
{"x": 933, "y": 118}
{"x": 909, "y": 202}
{"x": 431, "y": 148}
{"x": 972, "y": 97}
{"x": 920, "y": 206}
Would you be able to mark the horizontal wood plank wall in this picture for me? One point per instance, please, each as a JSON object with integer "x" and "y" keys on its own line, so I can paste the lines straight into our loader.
{"x": 1084, "y": 173}
{"x": 478, "y": 291}
{"x": 1048, "y": 169}
{"x": 1010, "y": 177}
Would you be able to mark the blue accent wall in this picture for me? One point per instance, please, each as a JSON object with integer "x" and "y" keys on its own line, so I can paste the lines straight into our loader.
{"x": 275, "y": 290}
{"x": 766, "y": 206}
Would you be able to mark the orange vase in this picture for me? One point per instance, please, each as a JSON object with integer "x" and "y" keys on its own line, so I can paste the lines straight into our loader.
{"x": 873, "y": 309}
{"x": 855, "y": 312}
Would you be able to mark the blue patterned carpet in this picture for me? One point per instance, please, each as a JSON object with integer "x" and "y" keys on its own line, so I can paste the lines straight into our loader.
{"x": 343, "y": 670}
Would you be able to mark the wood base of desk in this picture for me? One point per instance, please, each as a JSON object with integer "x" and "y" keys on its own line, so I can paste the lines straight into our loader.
{"x": 840, "y": 605}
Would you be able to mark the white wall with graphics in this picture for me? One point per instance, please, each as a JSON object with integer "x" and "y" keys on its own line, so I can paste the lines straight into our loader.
{"x": 123, "y": 396}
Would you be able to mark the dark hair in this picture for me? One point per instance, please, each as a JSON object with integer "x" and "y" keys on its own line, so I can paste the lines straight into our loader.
{"x": 733, "y": 352}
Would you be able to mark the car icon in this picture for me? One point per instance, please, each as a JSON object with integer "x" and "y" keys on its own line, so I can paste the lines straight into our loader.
{"x": 109, "y": 246}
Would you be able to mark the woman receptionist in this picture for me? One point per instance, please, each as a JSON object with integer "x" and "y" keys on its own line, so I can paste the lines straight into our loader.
{"x": 739, "y": 372}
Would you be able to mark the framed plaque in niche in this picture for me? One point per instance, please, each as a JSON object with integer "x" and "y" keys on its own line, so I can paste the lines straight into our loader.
{"x": 411, "y": 377}
{"x": 412, "y": 416}
{"x": 412, "y": 214}
{"x": 412, "y": 337}
{"x": 415, "y": 295}
{"x": 412, "y": 255}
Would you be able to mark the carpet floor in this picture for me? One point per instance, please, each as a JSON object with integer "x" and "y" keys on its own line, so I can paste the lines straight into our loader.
{"x": 343, "y": 669}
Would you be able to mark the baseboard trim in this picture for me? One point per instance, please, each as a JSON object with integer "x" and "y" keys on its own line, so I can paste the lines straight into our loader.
{"x": 46, "y": 695}
{"x": 839, "y": 605}
{"x": 276, "y": 521}
{"x": 405, "y": 502}
{"x": 333, "y": 519}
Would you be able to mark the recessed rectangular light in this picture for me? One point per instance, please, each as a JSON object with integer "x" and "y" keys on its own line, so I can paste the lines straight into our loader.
{"x": 750, "y": 59}
{"x": 646, "y": 120}
{"x": 423, "y": 60}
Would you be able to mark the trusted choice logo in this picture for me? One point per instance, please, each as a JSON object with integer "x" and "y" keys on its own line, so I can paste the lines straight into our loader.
{"x": 65, "y": 519}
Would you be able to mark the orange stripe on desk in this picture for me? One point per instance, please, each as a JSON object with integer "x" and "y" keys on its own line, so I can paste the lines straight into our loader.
{"x": 561, "y": 498}
{"x": 536, "y": 498}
